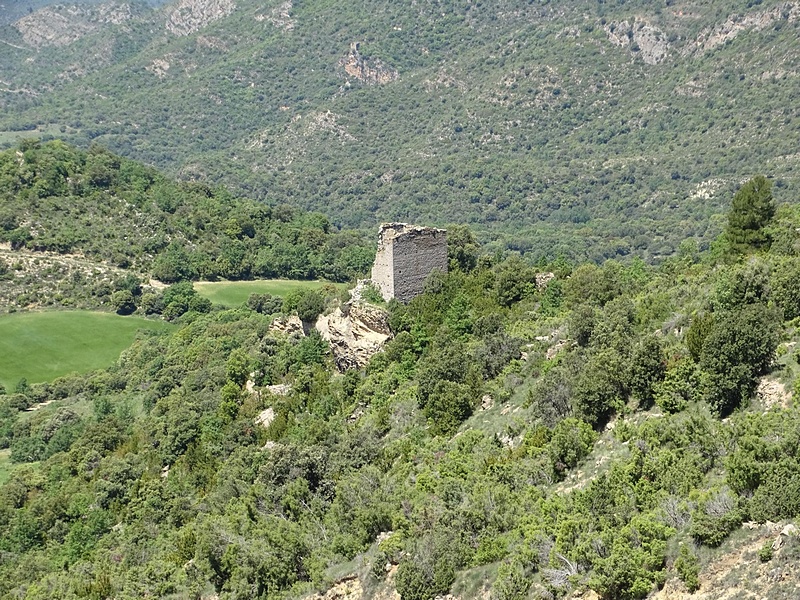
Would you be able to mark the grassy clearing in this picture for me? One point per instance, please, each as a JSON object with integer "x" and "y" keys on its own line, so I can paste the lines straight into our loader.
{"x": 9, "y": 138}
{"x": 41, "y": 346}
{"x": 5, "y": 465}
{"x": 234, "y": 293}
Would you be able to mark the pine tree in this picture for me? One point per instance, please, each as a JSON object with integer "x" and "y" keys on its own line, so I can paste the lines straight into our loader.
{"x": 751, "y": 210}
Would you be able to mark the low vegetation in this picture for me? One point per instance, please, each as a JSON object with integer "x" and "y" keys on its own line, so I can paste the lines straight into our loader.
{"x": 597, "y": 428}
{"x": 234, "y": 293}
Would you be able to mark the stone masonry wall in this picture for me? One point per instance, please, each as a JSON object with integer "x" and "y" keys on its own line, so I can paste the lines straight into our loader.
{"x": 382, "y": 273}
{"x": 406, "y": 256}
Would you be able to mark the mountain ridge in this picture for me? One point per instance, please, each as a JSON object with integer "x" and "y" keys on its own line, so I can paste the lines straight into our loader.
{"x": 542, "y": 125}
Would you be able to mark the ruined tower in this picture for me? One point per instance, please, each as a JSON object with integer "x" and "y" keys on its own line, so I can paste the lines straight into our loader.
{"x": 406, "y": 256}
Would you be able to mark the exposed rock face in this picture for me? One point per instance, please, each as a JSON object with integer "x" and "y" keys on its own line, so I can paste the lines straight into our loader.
{"x": 62, "y": 25}
{"x": 279, "y": 16}
{"x": 189, "y": 16}
{"x": 348, "y": 588}
{"x": 712, "y": 37}
{"x": 641, "y": 38}
{"x": 542, "y": 279}
{"x": 773, "y": 393}
{"x": 738, "y": 573}
{"x": 406, "y": 255}
{"x": 370, "y": 72}
{"x": 355, "y": 333}
{"x": 288, "y": 325}
{"x": 265, "y": 417}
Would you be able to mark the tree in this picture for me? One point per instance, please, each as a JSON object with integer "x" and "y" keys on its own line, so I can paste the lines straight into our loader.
{"x": 448, "y": 405}
{"x": 514, "y": 281}
{"x": 751, "y": 211}
{"x": 581, "y": 324}
{"x": 701, "y": 326}
{"x": 594, "y": 285}
{"x": 740, "y": 346}
{"x": 647, "y": 370}
{"x": 785, "y": 290}
{"x": 462, "y": 248}
{"x": 238, "y": 367}
{"x": 173, "y": 264}
{"x": 310, "y": 305}
{"x": 599, "y": 389}
{"x": 123, "y": 302}
{"x": 688, "y": 568}
{"x": 571, "y": 442}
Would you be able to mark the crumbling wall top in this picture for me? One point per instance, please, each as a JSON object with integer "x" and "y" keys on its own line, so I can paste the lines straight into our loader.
{"x": 391, "y": 231}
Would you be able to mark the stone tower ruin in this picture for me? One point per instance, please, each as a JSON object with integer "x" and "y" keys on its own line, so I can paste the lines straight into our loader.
{"x": 406, "y": 256}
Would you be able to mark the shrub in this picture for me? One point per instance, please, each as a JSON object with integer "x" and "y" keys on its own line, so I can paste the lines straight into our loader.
{"x": 448, "y": 405}
{"x": 765, "y": 552}
{"x": 309, "y": 306}
{"x": 688, "y": 568}
{"x": 572, "y": 440}
{"x": 123, "y": 302}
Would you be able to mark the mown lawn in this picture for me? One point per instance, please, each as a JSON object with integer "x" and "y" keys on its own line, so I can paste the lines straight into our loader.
{"x": 41, "y": 346}
{"x": 234, "y": 293}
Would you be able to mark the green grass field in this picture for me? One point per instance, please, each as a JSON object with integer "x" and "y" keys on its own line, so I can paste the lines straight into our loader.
{"x": 234, "y": 293}
{"x": 41, "y": 346}
{"x": 5, "y": 465}
{"x": 9, "y": 138}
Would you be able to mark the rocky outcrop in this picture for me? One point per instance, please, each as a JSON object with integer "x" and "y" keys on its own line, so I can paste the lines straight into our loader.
{"x": 640, "y": 38}
{"x": 737, "y": 573}
{"x": 62, "y": 25}
{"x": 371, "y": 71}
{"x": 543, "y": 279}
{"x": 348, "y": 588}
{"x": 355, "y": 332}
{"x": 189, "y": 16}
{"x": 712, "y": 37}
{"x": 291, "y": 325}
{"x": 279, "y": 16}
{"x": 265, "y": 418}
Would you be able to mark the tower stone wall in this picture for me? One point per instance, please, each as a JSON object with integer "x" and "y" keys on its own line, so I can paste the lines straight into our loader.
{"x": 406, "y": 255}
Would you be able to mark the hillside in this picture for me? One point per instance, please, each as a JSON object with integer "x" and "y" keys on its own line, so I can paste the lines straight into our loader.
{"x": 609, "y": 431}
{"x": 72, "y": 218}
{"x": 555, "y": 127}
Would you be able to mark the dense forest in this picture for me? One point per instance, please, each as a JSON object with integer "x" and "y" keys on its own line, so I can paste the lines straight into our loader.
{"x": 533, "y": 429}
{"x": 589, "y": 130}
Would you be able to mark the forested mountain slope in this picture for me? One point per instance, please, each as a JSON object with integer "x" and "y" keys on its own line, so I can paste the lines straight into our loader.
{"x": 56, "y": 198}
{"x": 561, "y": 127}
{"x": 604, "y": 427}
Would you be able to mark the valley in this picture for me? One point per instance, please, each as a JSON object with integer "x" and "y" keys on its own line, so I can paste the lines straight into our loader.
{"x": 575, "y": 380}
{"x": 550, "y": 128}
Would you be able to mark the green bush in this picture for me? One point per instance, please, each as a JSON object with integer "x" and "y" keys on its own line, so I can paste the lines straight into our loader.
{"x": 765, "y": 552}
{"x": 571, "y": 441}
{"x": 310, "y": 305}
{"x": 688, "y": 567}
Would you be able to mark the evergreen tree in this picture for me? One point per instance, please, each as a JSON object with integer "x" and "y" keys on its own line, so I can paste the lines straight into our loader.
{"x": 751, "y": 210}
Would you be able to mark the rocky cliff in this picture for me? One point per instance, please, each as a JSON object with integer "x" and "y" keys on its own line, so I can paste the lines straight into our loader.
{"x": 62, "y": 25}
{"x": 641, "y": 38}
{"x": 189, "y": 16}
{"x": 370, "y": 71}
{"x": 355, "y": 331}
